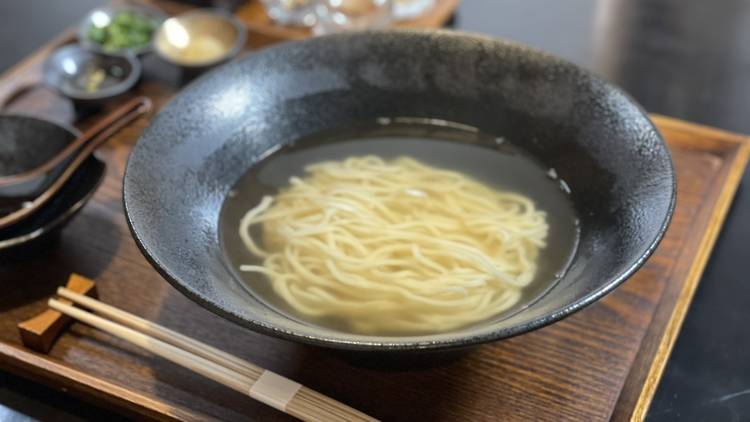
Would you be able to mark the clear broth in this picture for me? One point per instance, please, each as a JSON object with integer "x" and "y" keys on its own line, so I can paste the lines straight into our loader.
{"x": 489, "y": 159}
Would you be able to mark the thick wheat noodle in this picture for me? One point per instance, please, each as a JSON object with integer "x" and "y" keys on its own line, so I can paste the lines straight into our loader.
{"x": 395, "y": 247}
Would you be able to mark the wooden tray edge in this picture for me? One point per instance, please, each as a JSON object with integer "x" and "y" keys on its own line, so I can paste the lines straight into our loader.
{"x": 27, "y": 364}
{"x": 720, "y": 210}
{"x": 704, "y": 131}
{"x": 19, "y": 74}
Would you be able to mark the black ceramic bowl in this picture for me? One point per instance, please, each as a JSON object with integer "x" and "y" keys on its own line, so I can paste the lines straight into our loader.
{"x": 26, "y": 142}
{"x": 595, "y": 136}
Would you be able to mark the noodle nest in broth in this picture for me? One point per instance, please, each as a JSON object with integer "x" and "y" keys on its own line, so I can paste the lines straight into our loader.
{"x": 395, "y": 246}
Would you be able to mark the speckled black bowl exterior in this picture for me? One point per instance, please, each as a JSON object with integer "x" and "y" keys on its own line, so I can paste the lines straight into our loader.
{"x": 596, "y": 137}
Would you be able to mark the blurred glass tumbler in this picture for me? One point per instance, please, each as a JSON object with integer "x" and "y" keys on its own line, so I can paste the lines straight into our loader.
{"x": 291, "y": 12}
{"x": 342, "y": 15}
{"x": 411, "y": 9}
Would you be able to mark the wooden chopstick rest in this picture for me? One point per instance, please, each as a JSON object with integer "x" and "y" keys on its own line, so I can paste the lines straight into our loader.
{"x": 40, "y": 332}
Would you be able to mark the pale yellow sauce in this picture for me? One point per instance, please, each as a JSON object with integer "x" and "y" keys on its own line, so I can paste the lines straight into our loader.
{"x": 202, "y": 48}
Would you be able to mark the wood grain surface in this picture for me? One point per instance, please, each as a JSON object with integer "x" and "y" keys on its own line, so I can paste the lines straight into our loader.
{"x": 585, "y": 367}
{"x": 733, "y": 149}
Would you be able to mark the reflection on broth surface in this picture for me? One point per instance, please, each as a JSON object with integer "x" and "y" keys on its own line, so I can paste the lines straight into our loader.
{"x": 398, "y": 227}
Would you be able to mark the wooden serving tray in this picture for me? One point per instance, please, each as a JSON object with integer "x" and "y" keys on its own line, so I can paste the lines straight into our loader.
{"x": 602, "y": 362}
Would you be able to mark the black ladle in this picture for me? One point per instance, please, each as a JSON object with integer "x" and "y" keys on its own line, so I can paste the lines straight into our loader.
{"x": 24, "y": 193}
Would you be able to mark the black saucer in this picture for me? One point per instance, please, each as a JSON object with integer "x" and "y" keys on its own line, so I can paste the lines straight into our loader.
{"x": 24, "y": 140}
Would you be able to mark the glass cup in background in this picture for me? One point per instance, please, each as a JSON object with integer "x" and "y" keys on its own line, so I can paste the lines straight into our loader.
{"x": 411, "y": 9}
{"x": 291, "y": 12}
{"x": 343, "y": 15}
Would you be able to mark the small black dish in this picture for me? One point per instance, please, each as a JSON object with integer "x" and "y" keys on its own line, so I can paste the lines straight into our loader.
{"x": 89, "y": 78}
{"x": 27, "y": 142}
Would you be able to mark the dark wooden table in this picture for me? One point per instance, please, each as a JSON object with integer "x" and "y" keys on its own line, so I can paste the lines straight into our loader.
{"x": 687, "y": 59}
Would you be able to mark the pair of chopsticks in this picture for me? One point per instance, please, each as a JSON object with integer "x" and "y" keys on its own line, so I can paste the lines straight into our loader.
{"x": 224, "y": 368}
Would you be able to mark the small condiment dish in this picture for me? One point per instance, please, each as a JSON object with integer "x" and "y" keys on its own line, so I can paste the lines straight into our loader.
{"x": 199, "y": 38}
{"x": 137, "y": 29}
{"x": 86, "y": 76}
